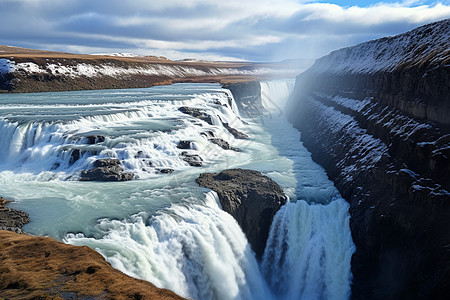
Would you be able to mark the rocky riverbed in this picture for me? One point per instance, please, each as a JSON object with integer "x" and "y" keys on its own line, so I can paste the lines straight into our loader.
{"x": 12, "y": 219}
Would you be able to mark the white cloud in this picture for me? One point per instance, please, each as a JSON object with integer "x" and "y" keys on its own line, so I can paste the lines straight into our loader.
{"x": 237, "y": 29}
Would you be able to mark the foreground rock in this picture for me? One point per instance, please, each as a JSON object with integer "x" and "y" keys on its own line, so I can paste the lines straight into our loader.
{"x": 108, "y": 169}
{"x": 12, "y": 219}
{"x": 250, "y": 197}
{"x": 376, "y": 116}
{"x": 42, "y": 268}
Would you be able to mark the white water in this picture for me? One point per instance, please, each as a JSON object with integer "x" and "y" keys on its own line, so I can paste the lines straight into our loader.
{"x": 309, "y": 249}
{"x": 163, "y": 227}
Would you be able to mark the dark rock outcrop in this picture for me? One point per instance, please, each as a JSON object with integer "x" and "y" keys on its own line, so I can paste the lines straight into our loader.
{"x": 94, "y": 139}
{"x": 107, "y": 169}
{"x": 184, "y": 145}
{"x": 75, "y": 155}
{"x": 248, "y": 97}
{"x": 250, "y": 197}
{"x": 12, "y": 219}
{"x": 193, "y": 160}
{"x": 197, "y": 113}
{"x": 376, "y": 117}
{"x": 236, "y": 133}
{"x": 223, "y": 144}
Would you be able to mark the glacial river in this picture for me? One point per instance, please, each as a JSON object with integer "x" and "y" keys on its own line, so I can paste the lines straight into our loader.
{"x": 164, "y": 228}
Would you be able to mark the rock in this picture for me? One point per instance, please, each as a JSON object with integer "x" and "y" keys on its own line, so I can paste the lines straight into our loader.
{"x": 250, "y": 197}
{"x": 12, "y": 219}
{"x": 75, "y": 155}
{"x": 184, "y": 145}
{"x": 197, "y": 113}
{"x": 370, "y": 129}
{"x": 42, "y": 268}
{"x": 94, "y": 139}
{"x": 140, "y": 154}
{"x": 166, "y": 171}
{"x": 193, "y": 160}
{"x": 236, "y": 133}
{"x": 247, "y": 96}
{"x": 208, "y": 134}
{"x": 108, "y": 169}
{"x": 223, "y": 144}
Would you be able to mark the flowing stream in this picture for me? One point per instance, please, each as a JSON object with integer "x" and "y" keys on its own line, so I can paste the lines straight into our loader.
{"x": 161, "y": 227}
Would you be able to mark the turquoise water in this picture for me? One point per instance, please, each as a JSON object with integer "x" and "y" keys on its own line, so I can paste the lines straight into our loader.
{"x": 163, "y": 227}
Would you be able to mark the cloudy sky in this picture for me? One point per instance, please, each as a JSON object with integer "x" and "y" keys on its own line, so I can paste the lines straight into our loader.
{"x": 254, "y": 30}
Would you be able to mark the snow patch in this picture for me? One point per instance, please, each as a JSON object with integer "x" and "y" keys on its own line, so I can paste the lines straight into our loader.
{"x": 368, "y": 148}
{"x": 119, "y": 54}
{"x": 90, "y": 70}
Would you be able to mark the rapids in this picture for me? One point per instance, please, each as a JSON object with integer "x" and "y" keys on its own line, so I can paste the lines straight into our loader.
{"x": 163, "y": 227}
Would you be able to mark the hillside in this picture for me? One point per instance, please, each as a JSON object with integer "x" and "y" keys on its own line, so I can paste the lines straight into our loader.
{"x": 376, "y": 116}
{"x": 42, "y": 268}
{"x": 28, "y": 70}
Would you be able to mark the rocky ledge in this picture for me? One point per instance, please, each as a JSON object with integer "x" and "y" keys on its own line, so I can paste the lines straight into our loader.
{"x": 107, "y": 169}
{"x": 12, "y": 219}
{"x": 376, "y": 116}
{"x": 250, "y": 197}
{"x": 42, "y": 268}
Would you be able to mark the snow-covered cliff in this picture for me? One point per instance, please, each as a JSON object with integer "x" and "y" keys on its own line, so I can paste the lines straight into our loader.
{"x": 376, "y": 116}
{"x": 424, "y": 46}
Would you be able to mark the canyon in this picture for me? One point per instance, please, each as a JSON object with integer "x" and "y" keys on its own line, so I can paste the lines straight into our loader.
{"x": 376, "y": 116}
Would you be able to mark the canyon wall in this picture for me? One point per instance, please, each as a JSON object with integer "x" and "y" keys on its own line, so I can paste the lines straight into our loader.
{"x": 376, "y": 116}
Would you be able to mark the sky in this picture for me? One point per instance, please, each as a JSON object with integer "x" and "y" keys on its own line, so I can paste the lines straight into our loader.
{"x": 233, "y": 30}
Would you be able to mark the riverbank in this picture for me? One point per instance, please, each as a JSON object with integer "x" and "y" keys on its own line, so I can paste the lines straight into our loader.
{"x": 12, "y": 219}
{"x": 43, "y": 268}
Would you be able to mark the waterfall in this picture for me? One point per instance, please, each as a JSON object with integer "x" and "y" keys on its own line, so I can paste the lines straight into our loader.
{"x": 41, "y": 138}
{"x": 198, "y": 251}
{"x": 309, "y": 249}
{"x": 164, "y": 228}
{"x": 274, "y": 94}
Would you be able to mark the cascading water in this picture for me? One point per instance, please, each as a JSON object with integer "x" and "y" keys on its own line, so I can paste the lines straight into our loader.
{"x": 163, "y": 227}
{"x": 309, "y": 248}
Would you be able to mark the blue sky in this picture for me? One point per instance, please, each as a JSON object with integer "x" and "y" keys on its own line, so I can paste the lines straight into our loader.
{"x": 254, "y": 30}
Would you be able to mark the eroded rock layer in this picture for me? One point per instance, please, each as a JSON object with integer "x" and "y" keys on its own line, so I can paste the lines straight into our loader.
{"x": 376, "y": 116}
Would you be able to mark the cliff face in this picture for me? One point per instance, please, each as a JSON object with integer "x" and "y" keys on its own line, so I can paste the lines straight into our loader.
{"x": 376, "y": 116}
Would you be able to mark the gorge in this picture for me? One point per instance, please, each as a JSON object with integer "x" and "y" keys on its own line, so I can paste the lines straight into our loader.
{"x": 358, "y": 178}
{"x": 376, "y": 116}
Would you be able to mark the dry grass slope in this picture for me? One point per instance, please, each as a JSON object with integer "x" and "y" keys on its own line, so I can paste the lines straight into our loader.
{"x": 42, "y": 268}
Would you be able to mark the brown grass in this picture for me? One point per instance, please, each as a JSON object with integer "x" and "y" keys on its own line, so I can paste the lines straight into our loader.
{"x": 42, "y": 268}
